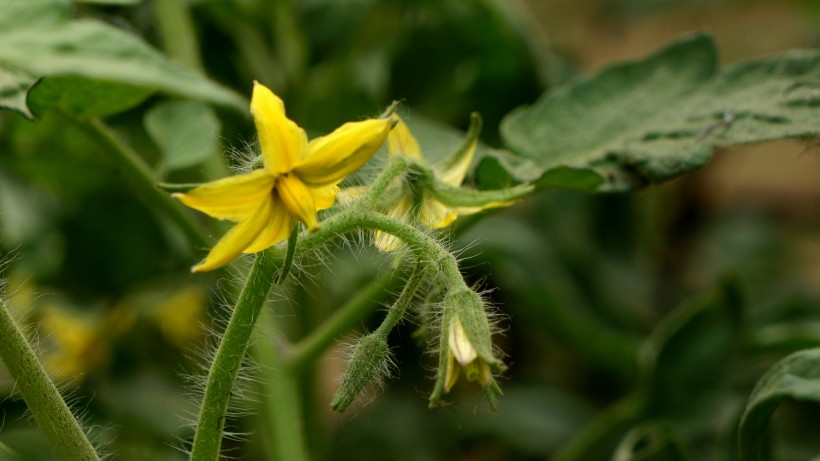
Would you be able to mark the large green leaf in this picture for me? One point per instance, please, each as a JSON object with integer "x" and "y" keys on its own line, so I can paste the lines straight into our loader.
{"x": 44, "y": 42}
{"x": 83, "y": 96}
{"x": 651, "y": 120}
{"x": 187, "y": 132}
{"x": 795, "y": 377}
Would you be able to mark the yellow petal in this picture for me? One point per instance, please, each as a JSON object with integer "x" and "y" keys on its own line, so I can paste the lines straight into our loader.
{"x": 400, "y": 211}
{"x": 234, "y": 242}
{"x": 452, "y": 372}
{"x": 330, "y": 158}
{"x": 235, "y": 197}
{"x": 454, "y": 175}
{"x": 324, "y": 197}
{"x": 348, "y": 195}
{"x": 402, "y": 143}
{"x": 460, "y": 344}
{"x": 278, "y": 228}
{"x": 435, "y": 215}
{"x": 298, "y": 200}
{"x": 282, "y": 142}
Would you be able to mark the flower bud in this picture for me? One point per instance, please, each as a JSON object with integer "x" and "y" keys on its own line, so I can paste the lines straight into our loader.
{"x": 370, "y": 363}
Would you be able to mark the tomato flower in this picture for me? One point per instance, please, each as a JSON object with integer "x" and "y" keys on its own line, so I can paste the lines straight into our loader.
{"x": 298, "y": 179}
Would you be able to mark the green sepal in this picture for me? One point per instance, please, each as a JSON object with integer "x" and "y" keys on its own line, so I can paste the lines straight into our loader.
{"x": 167, "y": 187}
{"x": 462, "y": 197}
{"x": 466, "y": 145}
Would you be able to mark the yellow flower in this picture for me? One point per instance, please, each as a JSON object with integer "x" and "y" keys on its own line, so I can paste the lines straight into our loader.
{"x": 429, "y": 211}
{"x": 298, "y": 179}
{"x": 80, "y": 342}
{"x": 462, "y": 355}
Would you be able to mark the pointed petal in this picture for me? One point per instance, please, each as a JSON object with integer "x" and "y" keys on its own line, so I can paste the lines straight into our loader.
{"x": 234, "y": 242}
{"x": 298, "y": 200}
{"x": 278, "y": 228}
{"x": 235, "y": 197}
{"x": 401, "y": 142}
{"x": 451, "y": 375}
{"x": 460, "y": 344}
{"x": 456, "y": 166}
{"x": 332, "y": 157}
{"x": 324, "y": 197}
{"x": 282, "y": 142}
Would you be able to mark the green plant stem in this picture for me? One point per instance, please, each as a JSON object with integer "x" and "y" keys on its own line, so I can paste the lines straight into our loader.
{"x": 44, "y": 401}
{"x": 397, "y": 166}
{"x": 396, "y": 312}
{"x": 130, "y": 164}
{"x": 282, "y": 399}
{"x": 362, "y": 303}
{"x": 176, "y": 30}
{"x": 229, "y": 355}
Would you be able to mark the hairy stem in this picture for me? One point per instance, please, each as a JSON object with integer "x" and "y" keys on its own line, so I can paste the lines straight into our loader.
{"x": 229, "y": 355}
{"x": 44, "y": 401}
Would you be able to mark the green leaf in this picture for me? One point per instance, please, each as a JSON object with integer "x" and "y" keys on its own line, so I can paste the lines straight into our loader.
{"x": 795, "y": 377}
{"x": 83, "y": 96}
{"x": 651, "y": 120}
{"x": 95, "y": 50}
{"x": 24, "y": 14}
{"x": 14, "y": 87}
{"x": 187, "y": 132}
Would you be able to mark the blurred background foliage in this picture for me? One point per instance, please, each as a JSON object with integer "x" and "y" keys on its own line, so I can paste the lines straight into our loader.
{"x": 636, "y": 324}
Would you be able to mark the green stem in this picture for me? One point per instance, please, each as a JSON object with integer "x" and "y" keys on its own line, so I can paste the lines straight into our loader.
{"x": 397, "y": 166}
{"x": 130, "y": 164}
{"x": 176, "y": 30}
{"x": 44, "y": 401}
{"x": 282, "y": 399}
{"x": 362, "y": 303}
{"x": 406, "y": 297}
{"x": 229, "y": 355}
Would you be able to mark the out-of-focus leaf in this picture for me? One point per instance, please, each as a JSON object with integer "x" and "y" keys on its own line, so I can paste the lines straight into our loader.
{"x": 691, "y": 349}
{"x": 14, "y": 87}
{"x": 110, "y": 2}
{"x": 98, "y": 51}
{"x": 651, "y": 120}
{"x": 649, "y": 442}
{"x": 795, "y": 377}
{"x": 187, "y": 132}
{"x": 24, "y": 14}
{"x": 83, "y": 96}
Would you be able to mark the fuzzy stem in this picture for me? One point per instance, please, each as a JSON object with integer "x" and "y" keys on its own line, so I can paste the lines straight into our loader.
{"x": 406, "y": 297}
{"x": 397, "y": 166}
{"x": 43, "y": 399}
{"x": 229, "y": 355}
{"x": 134, "y": 168}
{"x": 282, "y": 398}
{"x": 362, "y": 303}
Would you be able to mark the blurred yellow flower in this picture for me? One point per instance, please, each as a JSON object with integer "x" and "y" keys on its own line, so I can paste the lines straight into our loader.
{"x": 180, "y": 315}
{"x": 80, "y": 342}
{"x": 298, "y": 179}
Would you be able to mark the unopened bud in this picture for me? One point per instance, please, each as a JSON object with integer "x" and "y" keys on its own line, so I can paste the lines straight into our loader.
{"x": 369, "y": 364}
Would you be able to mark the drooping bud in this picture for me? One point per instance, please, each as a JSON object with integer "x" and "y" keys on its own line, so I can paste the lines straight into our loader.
{"x": 466, "y": 344}
{"x": 370, "y": 363}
